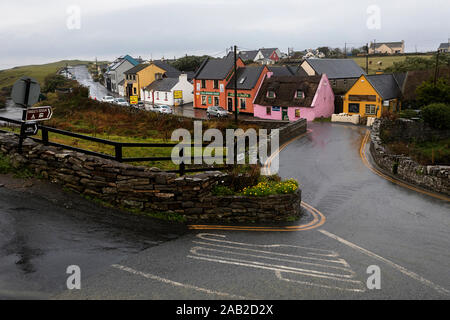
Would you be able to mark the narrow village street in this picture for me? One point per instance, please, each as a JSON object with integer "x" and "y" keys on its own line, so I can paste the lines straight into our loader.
{"x": 368, "y": 221}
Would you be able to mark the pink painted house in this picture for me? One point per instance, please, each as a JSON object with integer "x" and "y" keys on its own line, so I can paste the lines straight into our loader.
{"x": 294, "y": 97}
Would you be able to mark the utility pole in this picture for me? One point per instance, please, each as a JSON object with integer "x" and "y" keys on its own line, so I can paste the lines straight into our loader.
{"x": 235, "y": 86}
{"x": 367, "y": 59}
{"x": 345, "y": 51}
{"x": 436, "y": 72}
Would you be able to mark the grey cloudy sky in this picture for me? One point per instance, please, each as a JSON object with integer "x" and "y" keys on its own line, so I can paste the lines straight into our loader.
{"x": 36, "y": 31}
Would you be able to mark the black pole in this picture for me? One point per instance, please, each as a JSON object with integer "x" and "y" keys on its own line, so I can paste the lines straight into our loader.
{"x": 24, "y": 113}
{"x": 235, "y": 86}
{"x": 367, "y": 59}
{"x": 437, "y": 69}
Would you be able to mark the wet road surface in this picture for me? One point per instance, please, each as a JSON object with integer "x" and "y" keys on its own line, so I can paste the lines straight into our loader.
{"x": 370, "y": 223}
{"x": 43, "y": 230}
{"x": 96, "y": 90}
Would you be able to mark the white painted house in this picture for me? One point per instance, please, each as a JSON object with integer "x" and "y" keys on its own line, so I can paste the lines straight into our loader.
{"x": 169, "y": 91}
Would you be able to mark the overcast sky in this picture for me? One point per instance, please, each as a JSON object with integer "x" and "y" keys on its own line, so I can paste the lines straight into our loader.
{"x": 37, "y": 31}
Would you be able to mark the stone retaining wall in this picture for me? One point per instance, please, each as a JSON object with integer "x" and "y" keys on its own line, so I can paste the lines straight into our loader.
{"x": 147, "y": 189}
{"x": 434, "y": 178}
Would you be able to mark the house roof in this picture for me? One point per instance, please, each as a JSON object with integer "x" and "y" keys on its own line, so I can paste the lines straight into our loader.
{"x": 283, "y": 70}
{"x": 137, "y": 68}
{"x": 267, "y": 52}
{"x": 215, "y": 69}
{"x": 121, "y": 83}
{"x": 248, "y": 55}
{"x": 386, "y": 85}
{"x": 285, "y": 91}
{"x": 165, "y": 84}
{"x": 336, "y": 68}
{"x": 171, "y": 72}
{"x": 389, "y": 44}
{"x": 444, "y": 45}
{"x": 247, "y": 78}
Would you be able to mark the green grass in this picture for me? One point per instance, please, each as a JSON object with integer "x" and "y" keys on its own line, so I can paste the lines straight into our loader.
{"x": 387, "y": 61}
{"x": 38, "y": 72}
{"x": 425, "y": 153}
{"x": 6, "y": 167}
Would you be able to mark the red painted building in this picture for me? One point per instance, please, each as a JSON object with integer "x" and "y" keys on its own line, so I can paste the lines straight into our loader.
{"x": 214, "y": 84}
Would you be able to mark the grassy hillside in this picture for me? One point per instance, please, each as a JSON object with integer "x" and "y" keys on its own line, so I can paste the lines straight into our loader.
{"x": 386, "y": 61}
{"x": 39, "y": 72}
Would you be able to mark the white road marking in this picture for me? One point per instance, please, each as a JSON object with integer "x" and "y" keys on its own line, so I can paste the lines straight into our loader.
{"x": 177, "y": 284}
{"x": 311, "y": 263}
{"x": 388, "y": 262}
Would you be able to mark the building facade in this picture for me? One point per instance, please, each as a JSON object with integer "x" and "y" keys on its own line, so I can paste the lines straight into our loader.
{"x": 169, "y": 91}
{"x": 294, "y": 97}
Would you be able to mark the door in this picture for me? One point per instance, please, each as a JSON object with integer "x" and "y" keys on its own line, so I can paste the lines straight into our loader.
{"x": 284, "y": 113}
{"x": 230, "y": 104}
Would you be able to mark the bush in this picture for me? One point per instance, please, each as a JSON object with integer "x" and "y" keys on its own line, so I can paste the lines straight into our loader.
{"x": 222, "y": 191}
{"x": 408, "y": 114}
{"x": 437, "y": 116}
{"x": 428, "y": 93}
{"x": 267, "y": 188}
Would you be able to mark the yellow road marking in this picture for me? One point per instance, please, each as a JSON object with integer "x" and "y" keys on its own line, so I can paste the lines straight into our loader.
{"x": 384, "y": 176}
{"x": 318, "y": 218}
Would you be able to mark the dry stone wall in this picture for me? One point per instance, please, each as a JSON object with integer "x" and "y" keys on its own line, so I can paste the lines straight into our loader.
{"x": 147, "y": 189}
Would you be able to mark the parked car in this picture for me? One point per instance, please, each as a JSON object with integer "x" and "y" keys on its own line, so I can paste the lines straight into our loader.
{"x": 121, "y": 102}
{"x": 216, "y": 111}
{"x": 108, "y": 99}
{"x": 165, "y": 109}
{"x": 155, "y": 108}
{"x": 140, "y": 105}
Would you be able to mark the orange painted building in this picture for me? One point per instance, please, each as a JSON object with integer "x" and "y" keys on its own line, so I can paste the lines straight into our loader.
{"x": 214, "y": 84}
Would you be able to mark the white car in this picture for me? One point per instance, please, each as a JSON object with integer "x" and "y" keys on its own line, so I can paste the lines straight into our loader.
{"x": 121, "y": 102}
{"x": 108, "y": 99}
{"x": 165, "y": 109}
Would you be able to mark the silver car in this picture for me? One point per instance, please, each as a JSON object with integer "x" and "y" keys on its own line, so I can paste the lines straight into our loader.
{"x": 216, "y": 111}
{"x": 108, "y": 99}
{"x": 121, "y": 102}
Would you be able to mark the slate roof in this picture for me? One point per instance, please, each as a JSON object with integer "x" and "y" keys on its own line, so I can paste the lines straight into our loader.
{"x": 248, "y": 55}
{"x": 165, "y": 84}
{"x": 415, "y": 78}
{"x": 389, "y": 44}
{"x": 386, "y": 85}
{"x": 267, "y": 52}
{"x": 285, "y": 89}
{"x": 336, "y": 68}
{"x": 250, "y": 75}
{"x": 444, "y": 45}
{"x": 171, "y": 72}
{"x": 137, "y": 68}
{"x": 215, "y": 69}
{"x": 283, "y": 70}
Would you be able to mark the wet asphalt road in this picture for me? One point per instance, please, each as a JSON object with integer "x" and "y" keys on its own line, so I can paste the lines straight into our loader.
{"x": 43, "y": 230}
{"x": 369, "y": 222}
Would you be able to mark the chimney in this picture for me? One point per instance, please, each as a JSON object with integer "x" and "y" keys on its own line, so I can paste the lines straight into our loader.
{"x": 183, "y": 77}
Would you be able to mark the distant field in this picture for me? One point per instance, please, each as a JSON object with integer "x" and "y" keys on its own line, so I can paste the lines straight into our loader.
{"x": 38, "y": 72}
{"x": 385, "y": 61}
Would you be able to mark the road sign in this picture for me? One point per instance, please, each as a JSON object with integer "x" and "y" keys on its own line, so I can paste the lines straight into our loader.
{"x": 134, "y": 99}
{"x": 30, "y": 129}
{"x": 26, "y": 91}
{"x": 178, "y": 94}
{"x": 39, "y": 113}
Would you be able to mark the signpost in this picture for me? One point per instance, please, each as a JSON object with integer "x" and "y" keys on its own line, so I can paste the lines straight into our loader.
{"x": 134, "y": 99}
{"x": 25, "y": 93}
{"x": 39, "y": 113}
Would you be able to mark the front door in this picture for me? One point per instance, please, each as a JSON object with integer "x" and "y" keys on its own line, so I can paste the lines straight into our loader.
{"x": 284, "y": 113}
{"x": 230, "y": 104}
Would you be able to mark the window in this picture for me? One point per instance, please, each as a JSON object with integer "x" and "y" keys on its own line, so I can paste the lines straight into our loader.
{"x": 216, "y": 101}
{"x": 297, "y": 113}
{"x": 157, "y": 95}
{"x": 268, "y": 110}
{"x": 209, "y": 100}
{"x": 299, "y": 94}
{"x": 203, "y": 84}
{"x": 345, "y": 81}
{"x": 334, "y": 82}
{"x": 371, "y": 109}
{"x": 134, "y": 90}
{"x": 165, "y": 96}
{"x": 204, "y": 100}
{"x": 216, "y": 84}
{"x": 271, "y": 94}
{"x": 134, "y": 77}
{"x": 353, "y": 107}
{"x": 243, "y": 103}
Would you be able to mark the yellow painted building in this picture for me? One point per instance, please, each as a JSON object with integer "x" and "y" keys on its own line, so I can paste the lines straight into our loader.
{"x": 144, "y": 74}
{"x": 372, "y": 95}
